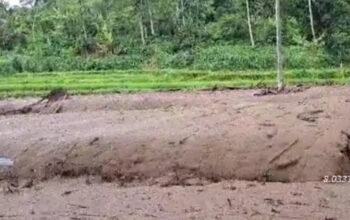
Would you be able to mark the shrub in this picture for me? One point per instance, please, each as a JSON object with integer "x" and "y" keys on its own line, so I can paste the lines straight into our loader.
{"x": 234, "y": 58}
{"x": 302, "y": 57}
{"x": 22, "y": 63}
{"x": 259, "y": 58}
{"x": 166, "y": 56}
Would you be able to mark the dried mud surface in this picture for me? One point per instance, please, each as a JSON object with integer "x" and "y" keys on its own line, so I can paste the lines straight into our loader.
{"x": 183, "y": 138}
{"x": 76, "y": 199}
{"x": 200, "y": 155}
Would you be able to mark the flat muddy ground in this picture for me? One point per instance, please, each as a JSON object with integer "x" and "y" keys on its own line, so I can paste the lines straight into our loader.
{"x": 198, "y": 155}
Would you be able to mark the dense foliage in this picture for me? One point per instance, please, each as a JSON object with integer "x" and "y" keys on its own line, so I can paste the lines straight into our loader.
{"x": 63, "y": 35}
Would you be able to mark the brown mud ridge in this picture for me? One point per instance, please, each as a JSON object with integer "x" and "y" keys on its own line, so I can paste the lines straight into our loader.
{"x": 180, "y": 138}
{"x": 50, "y": 103}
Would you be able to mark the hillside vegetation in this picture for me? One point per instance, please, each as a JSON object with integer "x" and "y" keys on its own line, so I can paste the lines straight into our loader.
{"x": 143, "y": 37}
{"x": 63, "y": 35}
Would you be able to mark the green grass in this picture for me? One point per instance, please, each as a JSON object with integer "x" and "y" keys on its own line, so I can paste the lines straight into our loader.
{"x": 97, "y": 82}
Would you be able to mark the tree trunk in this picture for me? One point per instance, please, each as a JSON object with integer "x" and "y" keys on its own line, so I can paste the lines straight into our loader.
{"x": 145, "y": 31}
{"x": 280, "y": 75}
{"x": 151, "y": 18}
{"x": 33, "y": 27}
{"x": 177, "y": 14}
{"x": 312, "y": 21}
{"x": 142, "y": 33}
{"x": 83, "y": 21}
{"x": 250, "y": 25}
{"x": 183, "y": 13}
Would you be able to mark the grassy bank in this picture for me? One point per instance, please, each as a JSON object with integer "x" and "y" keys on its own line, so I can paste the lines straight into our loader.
{"x": 99, "y": 82}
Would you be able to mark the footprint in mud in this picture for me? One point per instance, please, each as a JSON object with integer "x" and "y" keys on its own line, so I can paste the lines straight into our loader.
{"x": 310, "y": 116}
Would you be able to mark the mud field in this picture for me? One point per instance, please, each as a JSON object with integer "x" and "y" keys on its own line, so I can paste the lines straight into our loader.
{"x": 198, "y": 155}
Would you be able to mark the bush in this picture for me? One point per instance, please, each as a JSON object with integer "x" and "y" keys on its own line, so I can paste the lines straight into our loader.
{"x": 5, "y": 66}
{"x": 301, "y": 57}
{"x": 259, "y": 58}
{"x": 111, "y": 62}
{"x": 165, "y": 56}
{"x": 234, "y": 58}
{"x": 20, "y": 63}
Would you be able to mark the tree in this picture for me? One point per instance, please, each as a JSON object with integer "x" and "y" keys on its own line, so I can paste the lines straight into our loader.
{"x": 183, "y": 12}
{"x": 280, "y": 74}
{"x": 150, "y": 14}
{"x": 142, "y": 30}
{"x": 177, "y": 32}
{"x": 312, "y": 21}
{"x": 250, "y": 25}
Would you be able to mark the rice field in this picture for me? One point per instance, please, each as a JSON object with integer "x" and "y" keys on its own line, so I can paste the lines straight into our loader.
{"x": 100, "y": 82}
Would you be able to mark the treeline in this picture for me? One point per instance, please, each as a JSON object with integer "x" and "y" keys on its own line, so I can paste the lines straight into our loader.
{"x": 60, "y": 35}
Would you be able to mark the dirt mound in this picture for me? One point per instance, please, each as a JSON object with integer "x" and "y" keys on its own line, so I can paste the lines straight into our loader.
{"x": 185, "y": 138}
{"x": 51, "y": 103}
{"x": 275, "y": 91}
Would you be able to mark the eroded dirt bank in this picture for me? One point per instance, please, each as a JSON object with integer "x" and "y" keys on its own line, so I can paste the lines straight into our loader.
{"x": 183, "y": 138}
